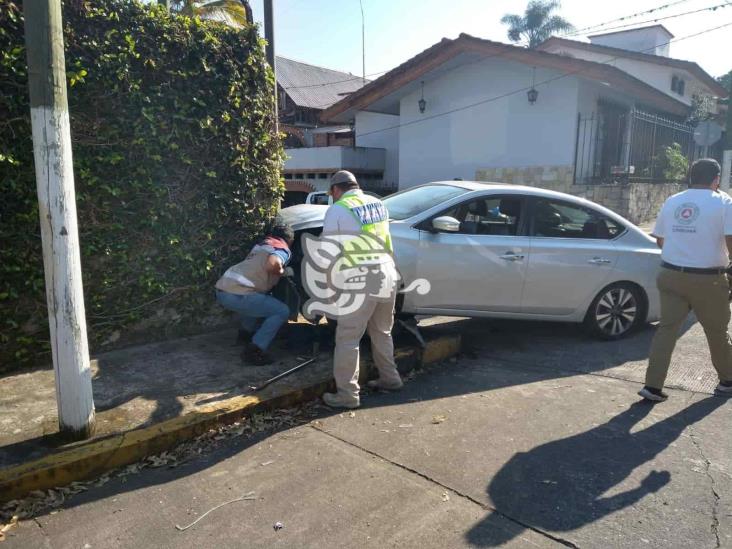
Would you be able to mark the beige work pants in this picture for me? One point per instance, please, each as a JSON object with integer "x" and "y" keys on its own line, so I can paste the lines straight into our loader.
{"x": 378, "y": 318}
{"x": 708, "y": 296}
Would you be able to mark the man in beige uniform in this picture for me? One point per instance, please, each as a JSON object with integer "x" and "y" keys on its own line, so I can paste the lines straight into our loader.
{"x": 354, "y": 213}
{"x": 694, "y": 230}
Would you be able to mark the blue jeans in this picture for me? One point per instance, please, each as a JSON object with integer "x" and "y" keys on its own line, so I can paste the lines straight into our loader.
{"x": 253, "y": 306}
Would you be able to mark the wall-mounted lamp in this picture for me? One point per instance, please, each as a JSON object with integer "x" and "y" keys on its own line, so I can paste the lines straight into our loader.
{"x": 532, "y": 94}
{"x": 422, "y": 103}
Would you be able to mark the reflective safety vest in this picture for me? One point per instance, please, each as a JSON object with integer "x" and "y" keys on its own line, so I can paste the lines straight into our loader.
{"x": 373, "y": 217}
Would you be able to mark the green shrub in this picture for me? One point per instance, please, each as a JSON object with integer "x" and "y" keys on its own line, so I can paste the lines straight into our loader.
{"x": 675, "y": 163}
{"x": 176, "y": 168}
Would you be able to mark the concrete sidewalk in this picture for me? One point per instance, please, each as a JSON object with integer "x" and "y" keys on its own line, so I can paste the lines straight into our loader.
{"x": 476, "y": 453}
{"x": 152, "y": 397}
{"x": 144, "y": 385}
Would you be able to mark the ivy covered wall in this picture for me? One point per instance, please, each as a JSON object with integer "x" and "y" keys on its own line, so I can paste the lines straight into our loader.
{"x": 176, "y": 169}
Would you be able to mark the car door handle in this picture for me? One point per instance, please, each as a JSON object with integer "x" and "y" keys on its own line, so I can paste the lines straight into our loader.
{"x": 509, "y": 256}
{"x": 599, "y": 261}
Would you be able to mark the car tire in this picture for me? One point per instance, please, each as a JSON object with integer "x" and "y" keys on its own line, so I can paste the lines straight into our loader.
{"x": 616, "y": 312}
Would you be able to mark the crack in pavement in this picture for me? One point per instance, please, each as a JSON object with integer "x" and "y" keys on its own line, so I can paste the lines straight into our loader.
{"x": 715, "y": 494}
{"x": 46, "y": 537}
{"x": 467, "y": 497}
{"x": 40, "y": 526}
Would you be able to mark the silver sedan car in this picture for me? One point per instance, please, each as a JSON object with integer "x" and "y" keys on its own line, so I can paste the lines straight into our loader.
{"x": 506, "y": 251}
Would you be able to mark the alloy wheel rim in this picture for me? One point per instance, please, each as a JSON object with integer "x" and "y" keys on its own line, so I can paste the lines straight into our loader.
{"x": 616, "y": 311}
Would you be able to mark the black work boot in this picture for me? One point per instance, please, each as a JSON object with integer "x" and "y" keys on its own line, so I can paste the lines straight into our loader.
{"x": 254, "y": 356}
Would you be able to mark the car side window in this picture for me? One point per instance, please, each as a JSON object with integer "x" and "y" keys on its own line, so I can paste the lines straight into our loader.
{"x": 557, "y": 219}
{"x": 488, "y": 216}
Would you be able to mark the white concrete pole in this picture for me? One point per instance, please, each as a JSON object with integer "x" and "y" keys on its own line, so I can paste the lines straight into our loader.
{"x": 726, "y": 171}
{"x": 57, "y": 211}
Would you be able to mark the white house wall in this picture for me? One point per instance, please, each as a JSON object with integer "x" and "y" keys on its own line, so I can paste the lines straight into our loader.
{"x": 653, "y": 74}
{"x": 506, "y": 132}
{"x": 371, "y": 131}
{"x": 653, "y": 40}
{"x": 325, "y": 159}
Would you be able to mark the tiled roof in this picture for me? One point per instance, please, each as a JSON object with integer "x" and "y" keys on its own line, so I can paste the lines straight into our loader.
{"x": 444, "y": 50}
{"x": 314, "y": 87}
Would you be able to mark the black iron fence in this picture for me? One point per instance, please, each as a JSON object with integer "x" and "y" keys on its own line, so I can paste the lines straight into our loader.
{"x": 619, "y": 146}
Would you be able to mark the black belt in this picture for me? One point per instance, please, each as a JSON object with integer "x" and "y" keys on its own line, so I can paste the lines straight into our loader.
{"x": 695, "y": 270}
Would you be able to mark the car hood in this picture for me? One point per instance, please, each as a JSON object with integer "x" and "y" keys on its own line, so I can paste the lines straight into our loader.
{"x": 303, "y": 216}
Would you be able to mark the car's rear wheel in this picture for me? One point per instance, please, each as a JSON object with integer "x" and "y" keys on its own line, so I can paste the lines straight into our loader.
{"x": 617, "y": 311}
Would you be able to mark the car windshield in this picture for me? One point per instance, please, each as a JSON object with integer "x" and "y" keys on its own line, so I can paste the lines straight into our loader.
{"x": 413, "y": 201}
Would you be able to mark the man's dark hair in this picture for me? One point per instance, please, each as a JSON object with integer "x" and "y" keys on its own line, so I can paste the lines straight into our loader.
{"x": 703, "y": 172}
{"x": 282, "y": 231}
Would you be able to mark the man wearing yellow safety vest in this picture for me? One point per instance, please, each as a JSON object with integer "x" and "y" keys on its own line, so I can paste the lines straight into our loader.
{"x": 359, "y": 221}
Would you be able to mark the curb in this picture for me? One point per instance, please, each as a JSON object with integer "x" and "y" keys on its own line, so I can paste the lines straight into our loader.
{"x": 90, "y": 459}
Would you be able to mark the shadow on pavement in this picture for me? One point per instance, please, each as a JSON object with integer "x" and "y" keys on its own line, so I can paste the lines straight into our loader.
{"x": 139, "y": 386}
{"x": 559, "y": 486}
{"x": 570, "y": 465}
{"x": 216, "y": 369}
{"x": 555, "y": 344}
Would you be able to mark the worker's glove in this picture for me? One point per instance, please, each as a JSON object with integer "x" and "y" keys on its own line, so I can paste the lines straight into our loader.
{"x": 289, "y": 272}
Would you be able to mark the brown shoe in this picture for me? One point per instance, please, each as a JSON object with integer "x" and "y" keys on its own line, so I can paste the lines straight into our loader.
{"x": 255, "y": 356}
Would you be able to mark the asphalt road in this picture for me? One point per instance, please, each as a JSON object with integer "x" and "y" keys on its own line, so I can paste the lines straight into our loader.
{"x": 534, "y": 438}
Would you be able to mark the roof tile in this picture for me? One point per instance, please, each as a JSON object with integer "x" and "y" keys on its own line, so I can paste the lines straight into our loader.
{"x": 312, "y": 86}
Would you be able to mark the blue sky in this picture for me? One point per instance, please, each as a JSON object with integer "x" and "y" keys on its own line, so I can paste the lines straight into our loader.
{"x": 328, "y": 32}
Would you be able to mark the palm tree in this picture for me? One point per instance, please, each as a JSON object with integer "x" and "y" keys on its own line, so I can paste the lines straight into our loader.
{"x": 537, "y": 23}
{"x": 234, "y": 12}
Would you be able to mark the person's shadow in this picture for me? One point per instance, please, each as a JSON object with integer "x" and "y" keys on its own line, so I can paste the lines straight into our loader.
{"x": 559, "y": 486}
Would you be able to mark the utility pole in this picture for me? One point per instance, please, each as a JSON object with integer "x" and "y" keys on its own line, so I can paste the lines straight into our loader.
{"x": 57, "y": 211}
{"x": 363, "y": 44}
{"x": 269, "y": 36}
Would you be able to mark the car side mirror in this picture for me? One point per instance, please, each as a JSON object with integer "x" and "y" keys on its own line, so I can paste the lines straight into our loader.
{"x": 446, "y": 224}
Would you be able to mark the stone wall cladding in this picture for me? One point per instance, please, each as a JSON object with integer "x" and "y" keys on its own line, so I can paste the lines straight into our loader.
{"x": 637, "y": 202}
{"x": 645, "y": 200}
{"x": 556, "y": 178}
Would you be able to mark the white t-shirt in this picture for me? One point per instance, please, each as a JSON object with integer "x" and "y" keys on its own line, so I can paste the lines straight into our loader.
{"x": 693, "y": 224}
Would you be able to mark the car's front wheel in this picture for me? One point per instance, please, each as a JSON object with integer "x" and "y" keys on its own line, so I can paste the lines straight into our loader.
{"x": 616, "y": 311}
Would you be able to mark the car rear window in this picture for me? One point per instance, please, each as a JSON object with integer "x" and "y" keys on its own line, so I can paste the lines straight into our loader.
{"x": 408, "y": 203}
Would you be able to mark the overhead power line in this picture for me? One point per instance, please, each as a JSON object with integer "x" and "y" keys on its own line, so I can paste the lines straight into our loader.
{"x": 525, "y": 89}
{"x": 625, "y": 18}
{"x": 656, "y": 20}
{"x": 573, "y": 33}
